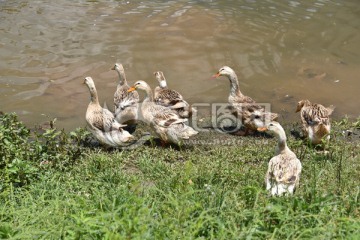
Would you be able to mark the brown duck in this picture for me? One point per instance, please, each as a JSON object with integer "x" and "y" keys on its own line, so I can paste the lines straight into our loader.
{"x": 102, "y": 122}
{"x": 170, "y": 98}
{"x": 315, "y": 119}
{"x": 283, "y": 174}
{"x": 251, "y": 114}
{"x": 167, "y": 124}
{"x": 126, "y": 103}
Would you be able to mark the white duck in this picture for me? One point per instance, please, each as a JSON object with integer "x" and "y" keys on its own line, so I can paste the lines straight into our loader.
{"x": 102, "y": 122}
{"x": 283, "y": 174}
{"x": 126, "y": 103}
{"x": 165, "y": 122}
{"x": 170, "y": 98}
{"x": 315, "y": 119}
{"x": 251, "y": 114}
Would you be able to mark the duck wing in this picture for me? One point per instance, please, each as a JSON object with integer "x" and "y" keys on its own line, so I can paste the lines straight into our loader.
{"x": 285, "y": 168}
{"x": 168, "y": 118}
{"x": 168, "y": 97}
{"x": 315, "y": 114}
{"x": 163, "y": 116}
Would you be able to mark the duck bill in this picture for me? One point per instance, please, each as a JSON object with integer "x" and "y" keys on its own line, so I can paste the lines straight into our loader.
{"x": 113, "y": 68}
{"x": 131, "y": 89}
{"x": 262, "y": 129}
{"x": 216, "y": 75}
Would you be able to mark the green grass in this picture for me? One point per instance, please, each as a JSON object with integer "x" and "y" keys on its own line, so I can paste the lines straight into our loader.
{"x": 199, "y": 192}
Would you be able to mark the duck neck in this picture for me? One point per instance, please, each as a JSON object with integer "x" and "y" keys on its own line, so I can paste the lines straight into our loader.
{"x": 94, "y": 97}
{"x": 122, "y": 77}
{"x": 234, "y": 85}
{"x": 163, "y": 84}
{"x": 282, "y": 146}
{"x": 149, "y": 95}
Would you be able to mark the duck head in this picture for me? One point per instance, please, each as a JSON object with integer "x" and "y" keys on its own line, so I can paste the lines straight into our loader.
{"x": 142, "y": 85}
{"x": 224, "y": 71}
{"x": 118, "y": 67}
{"x": 274, "y": 127}
{"x": 90, "y": 83}
{"x": 301, "y": 104}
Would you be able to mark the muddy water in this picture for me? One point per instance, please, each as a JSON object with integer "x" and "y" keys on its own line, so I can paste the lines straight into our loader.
{"x": 282, "y": 51}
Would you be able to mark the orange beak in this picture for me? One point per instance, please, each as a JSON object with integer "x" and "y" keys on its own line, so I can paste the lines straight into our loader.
{"x": 113, "y": 68}
{"x": 263, "y": 129}
{"x": 216, "y": 75}
{"x": 131, "y": 89}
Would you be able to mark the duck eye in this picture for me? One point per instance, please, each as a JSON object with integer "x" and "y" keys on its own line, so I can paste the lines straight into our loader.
{"x": 257, "y": 117}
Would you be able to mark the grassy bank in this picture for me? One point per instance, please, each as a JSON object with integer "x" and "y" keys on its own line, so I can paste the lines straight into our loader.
{"x": 56, "y": 187}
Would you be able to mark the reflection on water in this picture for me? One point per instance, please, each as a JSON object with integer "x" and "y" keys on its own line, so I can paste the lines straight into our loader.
{"x": 283, "y": 51}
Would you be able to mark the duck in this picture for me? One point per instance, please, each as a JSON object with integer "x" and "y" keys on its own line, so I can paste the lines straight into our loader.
{"x": 284, "y": 169}
{"x": 166, "y": 123}
{"x": 251, "y": 114}
{"x": 315, "y": 119}
{"x": 102, "y": 123}
{"x": 126, "y": 103}
{"x": 170, "y": 98}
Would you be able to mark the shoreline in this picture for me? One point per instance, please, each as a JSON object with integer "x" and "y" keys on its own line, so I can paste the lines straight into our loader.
{"x": 208, "y": 135}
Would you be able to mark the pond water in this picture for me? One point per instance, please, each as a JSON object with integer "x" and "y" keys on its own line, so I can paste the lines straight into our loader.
{"x": 282, "y": 51}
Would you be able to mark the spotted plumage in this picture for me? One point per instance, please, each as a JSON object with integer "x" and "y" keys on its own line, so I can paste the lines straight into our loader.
{"x": 315, "y": 119}
{"x": 166, "y": 123}
{"x": 170, "y": 98}
{"x": 102, "y": 122}
{"x": 284, "y": 169}
{"x": 126, "y": 103}
{"x": 251, "y": 114}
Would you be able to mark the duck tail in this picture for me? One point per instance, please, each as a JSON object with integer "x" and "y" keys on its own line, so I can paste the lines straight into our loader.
{"x": 330, "y": 109}
{"x": 189, "y": 131}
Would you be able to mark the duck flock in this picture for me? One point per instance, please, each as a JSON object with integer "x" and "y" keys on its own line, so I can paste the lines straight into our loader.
{"x": 166, "y": 111}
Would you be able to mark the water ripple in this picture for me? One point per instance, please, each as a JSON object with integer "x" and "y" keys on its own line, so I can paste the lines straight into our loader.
{"x": 47, "y": 47}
